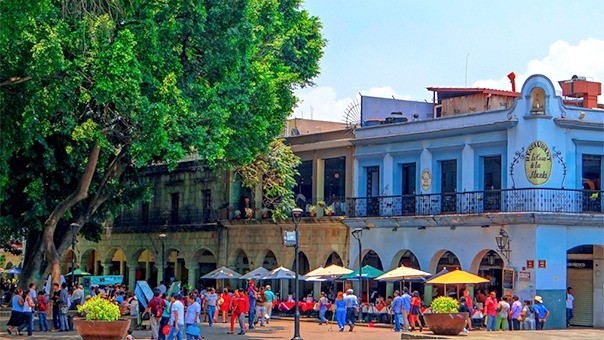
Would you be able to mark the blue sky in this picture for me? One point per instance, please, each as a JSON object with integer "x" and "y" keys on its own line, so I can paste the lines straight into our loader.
{"x": 398, "y": 48}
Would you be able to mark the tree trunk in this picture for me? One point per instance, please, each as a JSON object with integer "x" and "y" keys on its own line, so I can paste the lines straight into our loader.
{"x": 48, "y": 242}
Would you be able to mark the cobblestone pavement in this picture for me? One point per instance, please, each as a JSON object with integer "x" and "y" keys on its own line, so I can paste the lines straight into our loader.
{"x": 283, "y": 329}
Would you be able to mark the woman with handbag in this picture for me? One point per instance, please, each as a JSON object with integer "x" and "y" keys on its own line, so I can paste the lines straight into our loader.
{"x": 416, "y": 303}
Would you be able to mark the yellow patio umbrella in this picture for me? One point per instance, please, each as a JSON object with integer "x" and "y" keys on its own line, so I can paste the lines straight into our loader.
{"x": 457, "y": 277}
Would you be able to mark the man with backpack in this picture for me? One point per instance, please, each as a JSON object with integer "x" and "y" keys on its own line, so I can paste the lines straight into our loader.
{"x": 156, "y": 308}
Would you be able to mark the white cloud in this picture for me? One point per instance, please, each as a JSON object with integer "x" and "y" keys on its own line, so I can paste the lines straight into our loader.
{"x": 562, "y": 62}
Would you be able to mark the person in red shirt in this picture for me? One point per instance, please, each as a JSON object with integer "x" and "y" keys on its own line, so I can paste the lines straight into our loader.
{"x": 239, "y": 308}
{"x": 490, "y": 311}
{"x": 224, "y": 304}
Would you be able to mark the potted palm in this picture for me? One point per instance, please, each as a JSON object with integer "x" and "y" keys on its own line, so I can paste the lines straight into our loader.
{"x": 312, "y": 210}
{"x": 445, "y": 318}
{"x": 102, "y": 320}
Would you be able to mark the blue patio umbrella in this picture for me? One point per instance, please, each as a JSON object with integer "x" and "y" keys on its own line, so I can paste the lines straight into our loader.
{"x": 14, "y": 271}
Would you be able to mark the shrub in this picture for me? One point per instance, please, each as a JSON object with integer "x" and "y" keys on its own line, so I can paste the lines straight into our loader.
{"x": 444, "y": 304}
{"x": 101, "y": 309}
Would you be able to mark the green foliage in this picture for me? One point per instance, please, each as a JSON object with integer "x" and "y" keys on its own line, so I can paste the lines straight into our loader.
{"x": 100, "y": 309}
{"x": 444, "y": 304}
{"x": 274, "y": 171}
{"x": 151, "y": 82}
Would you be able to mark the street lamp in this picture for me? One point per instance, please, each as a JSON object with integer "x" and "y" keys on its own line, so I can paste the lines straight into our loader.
{"x": 74, "y": 232}
{"x": 357, "y": 233}
{"x": 296, "y": 217}
{"x": 162, "y": 236}
{"x": 503, "y": 243}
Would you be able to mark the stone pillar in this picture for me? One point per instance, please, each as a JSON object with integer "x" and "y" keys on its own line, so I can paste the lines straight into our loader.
{"x": 467, "y": 175}
{"x": 427, "y": 300}
{"x": 122, "y": 268}
{"x": 193, "y": 276}
{"x": 320, "y": 180}
{"x": 147, "y": 270}
{"x": 316, "y": 290}
{"x": 132, "y": 277}
{"x": 386, "y": 189}
{"x": 389, "y": 289}
{"x": 106, "y": 268}
{"x": 160, "y": 272}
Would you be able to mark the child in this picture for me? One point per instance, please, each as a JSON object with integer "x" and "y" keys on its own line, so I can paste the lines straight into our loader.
{"x": 129, "y": 336}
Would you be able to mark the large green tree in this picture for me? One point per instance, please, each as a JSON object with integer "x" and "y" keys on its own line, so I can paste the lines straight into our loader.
{"x": 93, "y": 90}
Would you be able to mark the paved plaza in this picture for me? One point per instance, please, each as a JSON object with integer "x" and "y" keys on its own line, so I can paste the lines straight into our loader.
{"x": 283, "y": 329}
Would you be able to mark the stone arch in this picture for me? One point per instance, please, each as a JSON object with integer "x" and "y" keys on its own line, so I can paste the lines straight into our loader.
{"x": 176, "y": 266}
{"x": 202, "y": 262}
{"x": 334, "y": 258}
{"x": 67, "y": 258}
{"x": 405, "y": 257}
{"x": 117, "y": 261}
{"x": 304, "y": 264}
{"x": 146, "y": 264}
{"x": 373, "y": 259}
{"x": 486, "y": 257}
{"x": 90, "y": 261}
{"x": 239, "y": 261}
{"x": 437, "y": 263}
{"x": 270, "y": 260}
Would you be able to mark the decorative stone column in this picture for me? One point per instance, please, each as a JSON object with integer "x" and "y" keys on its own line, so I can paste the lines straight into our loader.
{"x": 106, "y": 268}
{"x": 131, "y": 277}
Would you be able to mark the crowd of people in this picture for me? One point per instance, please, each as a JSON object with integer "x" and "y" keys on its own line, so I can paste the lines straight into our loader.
{"x": 180, "y": 313}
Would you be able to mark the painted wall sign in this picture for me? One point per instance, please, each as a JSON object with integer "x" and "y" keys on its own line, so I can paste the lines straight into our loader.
{"x": 580, "y": 264}
{"x": 538, "y": 163}
{"x": 524, "y": 276}
{"x": 530, "y": 264}
{"x": 426, "y": 179}
{"x": 542, "y": 263}
{"x": 508, "y": 278}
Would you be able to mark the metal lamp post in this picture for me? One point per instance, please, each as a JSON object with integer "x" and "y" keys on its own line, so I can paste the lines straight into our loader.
{"x": 503, "y": 243}
{"x": 357, "y": 233}
{"x": 162, "y": 236}
{"x": 74, "y": 231}
{"x": 296, "y": 217}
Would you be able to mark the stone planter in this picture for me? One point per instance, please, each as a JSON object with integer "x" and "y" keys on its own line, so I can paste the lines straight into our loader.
{"x": 102, "y": 330}
{"x": 446, "y": 323}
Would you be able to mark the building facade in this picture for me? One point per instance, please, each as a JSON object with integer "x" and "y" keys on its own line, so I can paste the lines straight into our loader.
{"x": 198, "y": 220}
{"x": 438, "y": 193}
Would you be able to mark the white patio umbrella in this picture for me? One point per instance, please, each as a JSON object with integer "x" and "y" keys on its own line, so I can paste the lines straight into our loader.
{"x": 402, "y": 273}
{"x": 256, "y": 274}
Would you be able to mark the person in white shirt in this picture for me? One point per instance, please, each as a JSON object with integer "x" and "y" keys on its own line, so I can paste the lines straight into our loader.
{"x": 570, "y": 305}
{"x": 177, "y": 317}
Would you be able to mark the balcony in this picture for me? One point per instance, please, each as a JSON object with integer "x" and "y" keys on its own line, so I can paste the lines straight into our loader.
{"x": 156, "y": 220}
{"x": 478, "y": 202}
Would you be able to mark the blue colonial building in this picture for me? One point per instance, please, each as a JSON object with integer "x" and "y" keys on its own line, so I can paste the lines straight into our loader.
{"x": 439, "y": 185}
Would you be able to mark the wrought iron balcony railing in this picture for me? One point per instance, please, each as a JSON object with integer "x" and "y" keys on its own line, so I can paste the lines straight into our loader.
{"x": 155, "y": 219}
{"x": 476, "y": 202}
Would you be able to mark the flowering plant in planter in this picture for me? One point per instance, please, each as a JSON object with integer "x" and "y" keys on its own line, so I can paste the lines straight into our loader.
{"x": 312, "y": 210}
{"x": 329, "y": 211}
{"x": 321, "y": 204}
{"x": 101, "y": 309}
{"x": 444, "y": 304}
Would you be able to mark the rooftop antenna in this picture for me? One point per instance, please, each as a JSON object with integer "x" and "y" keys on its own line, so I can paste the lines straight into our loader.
{"x": 466, "y": 83}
